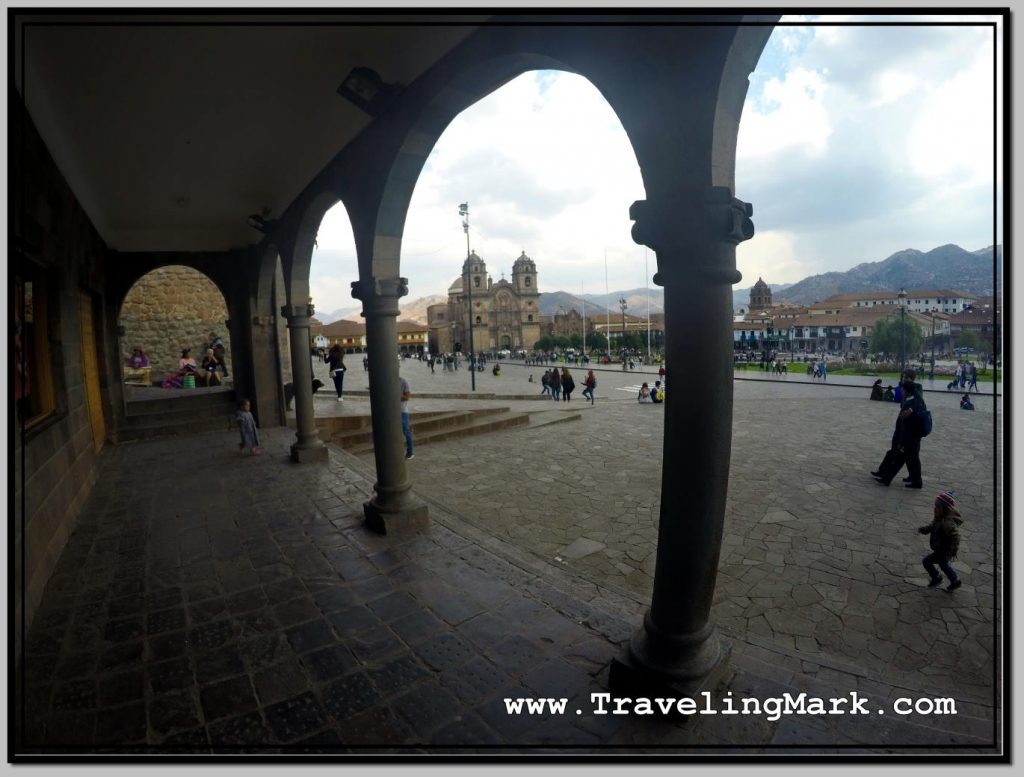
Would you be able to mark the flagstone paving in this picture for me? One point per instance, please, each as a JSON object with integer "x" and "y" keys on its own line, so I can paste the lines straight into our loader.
{"x": 211, "y": 602}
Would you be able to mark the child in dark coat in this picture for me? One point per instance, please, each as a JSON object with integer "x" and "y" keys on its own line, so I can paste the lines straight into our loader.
{"x": 247, "y": 428}
{"x": 944, "y": 540}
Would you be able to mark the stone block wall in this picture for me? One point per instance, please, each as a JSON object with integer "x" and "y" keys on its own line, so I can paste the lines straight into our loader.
{"x": 55, "y": 460}
{"x": 170, "y": 309}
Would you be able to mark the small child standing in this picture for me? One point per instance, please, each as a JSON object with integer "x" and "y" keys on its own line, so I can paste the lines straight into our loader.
{"x": 944, "y": 541}
{"x": 247, "y": 428}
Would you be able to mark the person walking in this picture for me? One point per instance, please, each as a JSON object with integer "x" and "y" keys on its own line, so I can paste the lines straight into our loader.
{"x": 247, "y": 428}
{"x": 905, "y": 447}
{"x": 556, "y": 384}
{"x": 403, "y": 386}
{"x": 545, "y": 382}
{"x": 336, "y": 365}
{"x": 589, "y": 384}
{"x": 944, "y": 540}
{"x": 974, "y": 379}
{"x": 568, "y": 384}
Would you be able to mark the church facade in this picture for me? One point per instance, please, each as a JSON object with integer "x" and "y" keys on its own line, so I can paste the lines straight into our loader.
{"x": 506, "y": 314}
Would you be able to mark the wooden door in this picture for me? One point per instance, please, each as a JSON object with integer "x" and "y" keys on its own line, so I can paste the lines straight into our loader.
{"x": 91, "y": 370}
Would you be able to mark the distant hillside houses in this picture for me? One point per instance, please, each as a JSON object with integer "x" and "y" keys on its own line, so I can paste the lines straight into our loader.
{"x": 842, "y": 324}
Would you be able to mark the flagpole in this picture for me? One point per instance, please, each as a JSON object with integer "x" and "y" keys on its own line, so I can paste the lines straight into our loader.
{"x": 648, "y": 289}
{"x": 583, "y": 306}
{"x": 607, "y": 310}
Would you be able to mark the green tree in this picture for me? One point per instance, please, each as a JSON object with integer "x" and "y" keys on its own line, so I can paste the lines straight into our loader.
{"x": 633, "y": 341}
{"x": 546, "y": 343}
{"x": 597, "y": 342}
{"x": 968, "y": 339}
{"x": 576, "y": 341}
{"x": 895, "y": 336}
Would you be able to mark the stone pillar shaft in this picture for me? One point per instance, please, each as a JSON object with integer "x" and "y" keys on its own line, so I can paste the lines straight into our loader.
{"x": 393, "y": 507}
{"x": 308, "y": 445}
{"x": 696, "y": 254}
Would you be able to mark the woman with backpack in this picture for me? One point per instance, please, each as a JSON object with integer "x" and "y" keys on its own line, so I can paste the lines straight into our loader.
{"x": 589, "y": 384}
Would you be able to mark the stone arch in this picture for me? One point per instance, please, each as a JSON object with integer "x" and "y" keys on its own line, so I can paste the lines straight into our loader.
{"x": 172, "y": 307}
{"x": 740, "y": 62}
{"x": 298, "y": 263}
{"x": 475, "y": 81}
{"x": 271, "y": 296}
{"x": 706, "y": 150}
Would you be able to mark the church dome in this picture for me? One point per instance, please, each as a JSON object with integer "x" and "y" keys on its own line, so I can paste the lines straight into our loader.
{"x": 760, "y": 285}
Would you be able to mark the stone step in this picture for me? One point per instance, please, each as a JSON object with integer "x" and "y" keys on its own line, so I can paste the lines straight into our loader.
{"x": 184, "y": 428}
{"x": 484, "y": 422}
{"x": 430, "y": 424}
{"x": 176, "y": 401}
{"x": 548, "y": 417}
{"x": 177, "y": 413}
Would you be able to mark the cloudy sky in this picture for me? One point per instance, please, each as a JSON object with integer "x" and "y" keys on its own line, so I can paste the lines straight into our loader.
{"x": 855, "y": 142}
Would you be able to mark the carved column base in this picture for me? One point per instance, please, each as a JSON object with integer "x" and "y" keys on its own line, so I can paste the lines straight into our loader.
{"x": 409, "y": 518}
{"x": 655, "y": 662}
{"x": 304, "y": 453}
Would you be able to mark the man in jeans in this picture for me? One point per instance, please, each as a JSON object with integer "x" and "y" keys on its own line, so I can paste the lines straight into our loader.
{"x": 406, "y": 429}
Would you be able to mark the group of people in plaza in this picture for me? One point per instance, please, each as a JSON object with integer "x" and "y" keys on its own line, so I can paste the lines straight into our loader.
{"x": 913, "y": 423}
{"x": 651, "y": 396}
{"x": 965, "y": 377}
{"x": 560, "y": 385}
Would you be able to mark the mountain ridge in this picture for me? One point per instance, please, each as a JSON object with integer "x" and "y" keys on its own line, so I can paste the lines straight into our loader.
{"x": 945, "y": 267}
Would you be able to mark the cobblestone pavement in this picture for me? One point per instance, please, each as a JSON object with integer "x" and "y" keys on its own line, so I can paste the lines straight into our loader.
{"x": 211, "y": 602}
{"x": 817, "y": 556}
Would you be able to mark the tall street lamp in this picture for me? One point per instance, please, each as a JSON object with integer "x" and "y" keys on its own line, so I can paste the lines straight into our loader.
{"x": 464, "y": 212}
{"x": 931, "y": 376}
{"x": 903, "y": 332}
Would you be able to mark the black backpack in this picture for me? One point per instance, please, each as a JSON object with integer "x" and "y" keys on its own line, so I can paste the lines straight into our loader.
{"x": 924, "y": 421}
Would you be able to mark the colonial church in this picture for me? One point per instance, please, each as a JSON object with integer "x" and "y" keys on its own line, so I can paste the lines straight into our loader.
{"x": 506, "y": 314}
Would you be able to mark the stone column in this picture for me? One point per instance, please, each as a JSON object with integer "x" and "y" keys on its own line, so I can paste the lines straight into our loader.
{"x": 694, "y": 234}
{"x": 308, "y": 445}
{"x": 394, "y": 508}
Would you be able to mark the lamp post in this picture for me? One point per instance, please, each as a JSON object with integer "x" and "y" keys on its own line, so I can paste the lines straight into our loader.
{"x": 931, "y": 375}
{"x": 464, "y": 212}
{"x": 622, "y": 307}
{"x": 903, "y": 332}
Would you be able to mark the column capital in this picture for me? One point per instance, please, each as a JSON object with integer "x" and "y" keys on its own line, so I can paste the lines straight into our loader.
{"x": 693, "y": 221}
{"x": 297, "y": 315}
{"x": 380, "y": 295}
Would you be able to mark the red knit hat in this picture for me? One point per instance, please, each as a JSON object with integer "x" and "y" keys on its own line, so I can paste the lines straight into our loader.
{"x": 947, "y": 498}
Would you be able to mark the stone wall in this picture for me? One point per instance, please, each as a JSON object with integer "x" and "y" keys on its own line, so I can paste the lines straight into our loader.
{"x": 170, "y": 309}
{"x": 55, "y": 459}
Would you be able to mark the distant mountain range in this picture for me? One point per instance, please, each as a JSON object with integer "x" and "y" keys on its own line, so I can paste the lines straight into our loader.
{"x": 945, "y": 267}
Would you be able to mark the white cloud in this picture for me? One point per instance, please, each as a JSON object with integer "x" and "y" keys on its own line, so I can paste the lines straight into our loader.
{"x": 791, "y": 112}
{"x": 855, "y": 142}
